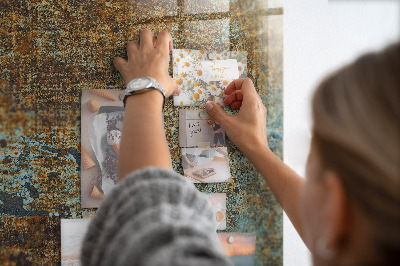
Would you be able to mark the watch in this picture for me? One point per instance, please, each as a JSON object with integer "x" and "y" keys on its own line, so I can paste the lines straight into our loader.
{"x": 142, "y": 85}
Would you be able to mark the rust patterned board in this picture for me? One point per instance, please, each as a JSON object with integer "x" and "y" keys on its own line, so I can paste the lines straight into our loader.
{"x": 51, "y": 50}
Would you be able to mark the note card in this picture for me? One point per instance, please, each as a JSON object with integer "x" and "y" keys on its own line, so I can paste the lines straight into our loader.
{"x": 204, "y": 75}
{"x": 218, "y": 70}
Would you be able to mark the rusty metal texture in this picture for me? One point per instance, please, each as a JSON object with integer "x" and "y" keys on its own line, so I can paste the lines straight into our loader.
{"x": 51, "y": 50}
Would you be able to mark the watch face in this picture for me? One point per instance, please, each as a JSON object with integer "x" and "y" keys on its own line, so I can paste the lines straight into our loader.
{"x": 140, "y": 83}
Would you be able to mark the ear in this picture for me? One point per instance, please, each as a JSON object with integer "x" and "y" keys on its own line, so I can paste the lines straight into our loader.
{"x": 336, "y": 211}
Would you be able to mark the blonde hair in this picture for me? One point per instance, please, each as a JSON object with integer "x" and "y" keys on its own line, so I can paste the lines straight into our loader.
{"x": 356, "y": 114}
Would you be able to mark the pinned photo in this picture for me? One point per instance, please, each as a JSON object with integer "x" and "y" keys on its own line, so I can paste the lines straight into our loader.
{"x": 198, "y": 129}
{"x": 218, "y": 201}
{"x": 206, "y": 165}
{"x": 239, "y": 247}
{"x": 102, "y": 115}
{"x": 73, "y": 232}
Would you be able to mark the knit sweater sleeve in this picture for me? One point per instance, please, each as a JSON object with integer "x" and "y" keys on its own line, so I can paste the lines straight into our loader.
{"x": 153, "y": 217}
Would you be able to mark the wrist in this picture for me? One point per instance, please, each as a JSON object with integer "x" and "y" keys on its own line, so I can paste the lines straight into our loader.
{"x": 149, "y": 99}
{"x": 257, "y": 149}
{"x": 143, "y": 85}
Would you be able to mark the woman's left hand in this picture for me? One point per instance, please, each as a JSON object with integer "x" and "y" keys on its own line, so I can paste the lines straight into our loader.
{"x": 149, "y": 59}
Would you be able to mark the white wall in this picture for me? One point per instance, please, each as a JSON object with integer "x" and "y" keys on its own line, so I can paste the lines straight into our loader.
{"x": 319, "y": 36}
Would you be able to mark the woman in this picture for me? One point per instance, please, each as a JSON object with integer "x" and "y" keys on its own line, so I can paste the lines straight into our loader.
{"x": 346, "y": 211}
{"x": 218, "y": 132}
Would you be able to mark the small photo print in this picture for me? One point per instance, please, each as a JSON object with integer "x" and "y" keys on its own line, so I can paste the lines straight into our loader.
{"x": 218, "y": 201}
{"x": 72, "y": 233}
{"x": 203, "y": 75}
{"x": 239, "y": 247}
{"x": 206, "y": 165}
{"x": 102, "y": 115}
{"x": 198, "y": 129}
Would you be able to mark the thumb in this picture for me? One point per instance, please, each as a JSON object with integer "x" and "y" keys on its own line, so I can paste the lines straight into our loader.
{"x": 218, "y": 113}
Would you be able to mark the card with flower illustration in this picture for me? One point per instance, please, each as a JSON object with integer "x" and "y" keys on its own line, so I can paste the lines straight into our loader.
{"x": 204, "y": 75}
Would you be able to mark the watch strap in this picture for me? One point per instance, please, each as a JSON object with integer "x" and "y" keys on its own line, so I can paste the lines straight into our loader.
{"x": 153, "y": 85}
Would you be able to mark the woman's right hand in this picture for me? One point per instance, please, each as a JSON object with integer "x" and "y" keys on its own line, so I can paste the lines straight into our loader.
{"x": 248, "y": 128}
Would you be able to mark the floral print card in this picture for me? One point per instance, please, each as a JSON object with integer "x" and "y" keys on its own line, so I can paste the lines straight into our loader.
{"x": 204, "y": 75}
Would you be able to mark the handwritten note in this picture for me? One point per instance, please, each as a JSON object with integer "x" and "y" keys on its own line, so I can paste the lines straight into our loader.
{"x": 194, "y": 128}
{"x": 196, "y": 131}
{"x": 219, "y": 70}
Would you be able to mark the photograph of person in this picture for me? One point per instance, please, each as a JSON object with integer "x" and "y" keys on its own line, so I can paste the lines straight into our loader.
{"x": 217, "y": 131}
{"x": 197, "y": 128}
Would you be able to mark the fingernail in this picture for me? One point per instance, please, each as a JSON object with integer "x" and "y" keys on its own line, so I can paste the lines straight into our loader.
{"x": 179, "y": 90}
{"x": 209, "y": 106}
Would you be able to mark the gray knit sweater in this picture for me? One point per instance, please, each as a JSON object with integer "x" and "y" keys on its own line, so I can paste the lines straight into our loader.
{"x": 154, "y": 217}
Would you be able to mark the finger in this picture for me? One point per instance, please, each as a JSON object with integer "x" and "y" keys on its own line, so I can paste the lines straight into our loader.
{"x": 132, "y": 48}
{"x": 235, "y": 96}
{"x": 233, "y": 86}
{"x": 172, "y": 92}
{"x": 120, "y": 63}
{"x": 236, "y": 105}
{"x": 146, "y": 39}
{"x": 164, "y": 41}
{"x": 177, "y": 92}
{"x": 245, "y": 85}
{"x": 217, "y": 113}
